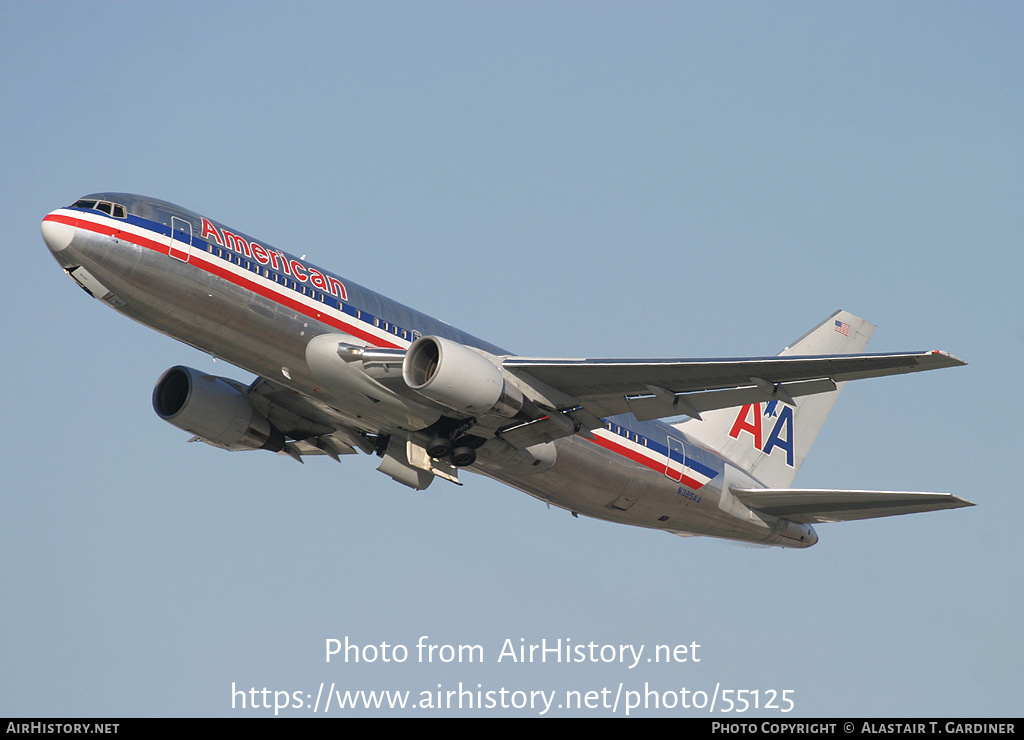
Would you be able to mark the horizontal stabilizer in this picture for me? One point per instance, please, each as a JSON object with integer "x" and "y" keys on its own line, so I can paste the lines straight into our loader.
{"x": 816, "y": 506}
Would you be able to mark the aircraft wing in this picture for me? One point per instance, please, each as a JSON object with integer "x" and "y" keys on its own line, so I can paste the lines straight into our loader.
{"x": 312, "y": 429}
{"x": 815, "y": 506}
{"x": 660, "y": 388}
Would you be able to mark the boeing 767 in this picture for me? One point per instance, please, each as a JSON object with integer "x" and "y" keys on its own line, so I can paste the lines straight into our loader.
{"x": 341, "y": 369}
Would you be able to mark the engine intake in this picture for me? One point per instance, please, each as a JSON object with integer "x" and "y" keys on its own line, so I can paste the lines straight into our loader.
{"x": 215, "y": 409}
{"x": 460, "y": 378}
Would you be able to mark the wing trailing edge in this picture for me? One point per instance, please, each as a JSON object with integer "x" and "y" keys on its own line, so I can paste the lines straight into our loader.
{"x": 614, "y": 386}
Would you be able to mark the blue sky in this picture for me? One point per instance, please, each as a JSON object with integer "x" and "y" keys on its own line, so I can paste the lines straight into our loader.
{"x": 581, "y": 179}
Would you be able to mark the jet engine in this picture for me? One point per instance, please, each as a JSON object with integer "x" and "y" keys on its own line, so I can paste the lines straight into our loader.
{"x": 215, "y": 409}
{"x": 460, "y": 378}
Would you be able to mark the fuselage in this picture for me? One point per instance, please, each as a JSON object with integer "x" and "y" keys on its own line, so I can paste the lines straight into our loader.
{"x": 257, "y": 307}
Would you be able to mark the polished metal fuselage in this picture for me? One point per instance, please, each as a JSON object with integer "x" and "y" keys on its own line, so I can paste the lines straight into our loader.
{"x": 259, "y": 309}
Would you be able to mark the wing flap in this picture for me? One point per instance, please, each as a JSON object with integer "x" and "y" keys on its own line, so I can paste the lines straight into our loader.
{"x": 818, "y": 506}
{"x": 663, "y": 404}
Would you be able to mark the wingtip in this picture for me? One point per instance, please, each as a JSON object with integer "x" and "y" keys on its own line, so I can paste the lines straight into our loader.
{"x": 952, "y": 360}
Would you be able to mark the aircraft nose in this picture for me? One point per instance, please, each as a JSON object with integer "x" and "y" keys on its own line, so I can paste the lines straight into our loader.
{"x": 58, "y": 231}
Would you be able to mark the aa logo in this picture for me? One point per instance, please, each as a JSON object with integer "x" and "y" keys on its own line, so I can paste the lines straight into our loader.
{"x": 753, "y": 420}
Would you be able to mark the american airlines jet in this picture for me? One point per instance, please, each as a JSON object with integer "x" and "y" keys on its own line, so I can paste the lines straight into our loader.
{"x": 341, "y": 369}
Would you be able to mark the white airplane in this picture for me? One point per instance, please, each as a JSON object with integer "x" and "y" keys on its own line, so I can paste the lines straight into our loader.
{"x": 340, "y": 368}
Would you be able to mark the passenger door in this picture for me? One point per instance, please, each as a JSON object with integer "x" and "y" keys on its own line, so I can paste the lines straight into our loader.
{"x": 180, "y": 245}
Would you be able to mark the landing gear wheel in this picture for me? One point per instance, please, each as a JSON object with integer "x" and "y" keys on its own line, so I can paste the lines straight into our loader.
{"x": 439, "y": 448}
{"x": 463, "y": 456}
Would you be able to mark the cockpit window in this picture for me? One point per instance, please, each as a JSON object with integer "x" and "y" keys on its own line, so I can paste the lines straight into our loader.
{"x": 111, "y": 209}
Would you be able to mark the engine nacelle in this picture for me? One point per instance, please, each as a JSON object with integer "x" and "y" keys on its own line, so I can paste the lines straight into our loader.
{"x": 460, "y": 378}
{"x": 215, "y": 409}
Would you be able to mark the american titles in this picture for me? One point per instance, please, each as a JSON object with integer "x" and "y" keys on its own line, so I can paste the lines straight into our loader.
{"x": 275, "y": 259}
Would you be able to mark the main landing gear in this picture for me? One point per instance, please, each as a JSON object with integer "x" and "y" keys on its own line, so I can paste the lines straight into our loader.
{"x": 458, "y": 453}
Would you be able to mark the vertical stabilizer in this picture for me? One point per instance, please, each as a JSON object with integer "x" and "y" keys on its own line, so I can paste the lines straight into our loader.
{"x": 771, "y": 439}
